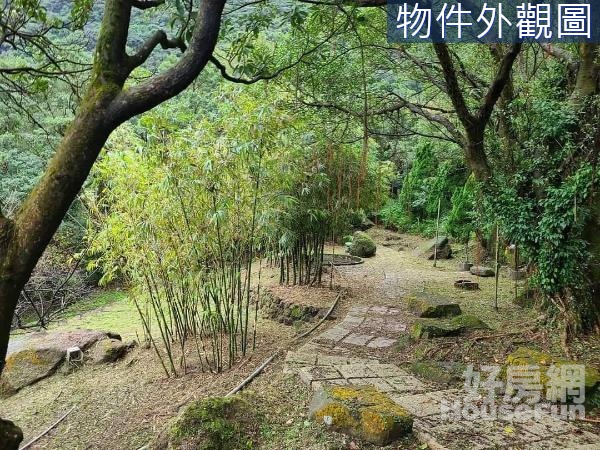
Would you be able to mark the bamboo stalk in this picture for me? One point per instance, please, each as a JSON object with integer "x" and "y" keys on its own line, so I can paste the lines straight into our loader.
{"x": 437, "y": 233}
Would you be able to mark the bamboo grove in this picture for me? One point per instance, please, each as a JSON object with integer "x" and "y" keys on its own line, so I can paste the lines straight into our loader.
{"x": 226, "y": 196}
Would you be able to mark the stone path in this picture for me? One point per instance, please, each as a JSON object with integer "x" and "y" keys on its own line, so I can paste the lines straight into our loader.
{"x": 328, "y": 358}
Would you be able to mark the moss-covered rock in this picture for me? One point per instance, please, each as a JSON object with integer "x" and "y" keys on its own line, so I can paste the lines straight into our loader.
{"x": 362, "y": 412}
{"x": 435, "y": 327}
{"x": 287, "y": 312}
{"x": 41, "y": 355}
{"x": 432, "y": 306}
{"x": 444, "y": 373}
{"x": 525, "y": 356}
{"x": 10, "y": 435}
{"x": 362, "y": 245}
{"x": 108, "y": 350}
{"x": 29, "y": 366}
{"x": 215, "y": 423}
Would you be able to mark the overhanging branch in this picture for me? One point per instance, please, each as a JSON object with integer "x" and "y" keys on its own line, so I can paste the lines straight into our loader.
{"x": 158, "y": 38}
{"x": 146, "y": 4}
{"x": 499, "y": 83}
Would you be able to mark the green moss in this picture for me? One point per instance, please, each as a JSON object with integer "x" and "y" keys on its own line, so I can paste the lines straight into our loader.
{"x": 362, "y": 245}
{"x": 432, "y": 306}
{"x": 363, "y": 412}
{"x": 470, "y": 322}
{"x": 439, "y": 327}
{"x": 297, "y": 312}
{"x": 216, "y": 423}
{"x": 531, "y": 357}
{"x": 433, "y": 371}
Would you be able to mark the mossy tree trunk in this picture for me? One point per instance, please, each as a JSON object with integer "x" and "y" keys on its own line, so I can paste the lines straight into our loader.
{"x": 106, "y": 105}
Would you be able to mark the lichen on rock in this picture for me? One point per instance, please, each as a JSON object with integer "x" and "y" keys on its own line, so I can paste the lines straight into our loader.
{"x": 525, "y": 356}
{"x": 362, "y": 412}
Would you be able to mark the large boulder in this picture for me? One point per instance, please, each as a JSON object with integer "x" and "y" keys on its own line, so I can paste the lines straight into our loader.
{"x": 10, "y": 435}
{"x": 431, "y": 306}
{"x": 362, "y": 245}
{"x": 29, "y": 366}
{"x": 482, "y": 271}
{"x": 214, "y": 423}
{"x": 426, "y": 328}
{"x": 41, "y": 354}
{"x": 428, "y": 249}
{"x": 108, "y": 350}
{"x": 362, "y": 412}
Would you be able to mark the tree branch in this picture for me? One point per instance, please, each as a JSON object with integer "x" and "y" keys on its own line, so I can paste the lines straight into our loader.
{"x": 166, "y": 85}
{"x": 559, "y": 53}
{"x": 146, "y": 4}
{"x": 497, "y": 86}
{"x": 427, "y": 114}
{"x": 452, "y": 87}
{"x": 158, "y": 38}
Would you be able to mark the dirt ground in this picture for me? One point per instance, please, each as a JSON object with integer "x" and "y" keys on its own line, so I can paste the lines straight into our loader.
{"x": 122, "y": 405}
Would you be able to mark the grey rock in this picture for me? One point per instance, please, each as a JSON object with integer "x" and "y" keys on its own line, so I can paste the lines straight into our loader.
{"x": 108, "y": 350}
{"x": 482, "y": 271}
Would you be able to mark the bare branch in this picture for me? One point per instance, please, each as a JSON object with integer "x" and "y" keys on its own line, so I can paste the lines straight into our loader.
{"x": 426, "y": 113}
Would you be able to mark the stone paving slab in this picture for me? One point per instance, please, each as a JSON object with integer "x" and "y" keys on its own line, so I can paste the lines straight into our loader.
{"x": 429, "y": 403}
{"x": 328, "y": 359}
{"x": 350, "y": 371}
{"x": 357, "y": 339}
{"x": 381, "y": 342}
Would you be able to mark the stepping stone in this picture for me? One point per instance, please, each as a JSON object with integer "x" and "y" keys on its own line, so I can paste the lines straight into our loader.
{"x": 482, "y": 271}
{"x": 350, "y": 371}
{"x": 334, "y": 334}
{"x": 318, "y": 373}
{"x": 394, "y": 326}
{"x": 387, "y": 370}
{"x": 427, "y": 404}
{"x": 380, "y": 310}
{"x": 432, "y": 306}
{"x": 406, "y": 384}
{"x": 352, "y": 321}
{"x": 381, "y": 342}
{"x": 357, "y": 339}
{"x": 361, "y": 412}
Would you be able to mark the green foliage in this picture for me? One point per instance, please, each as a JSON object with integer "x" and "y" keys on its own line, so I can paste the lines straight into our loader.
{"x": 461, "y": 220}
{"x": 215, "y": 423}
{"x": 429, "y": 180}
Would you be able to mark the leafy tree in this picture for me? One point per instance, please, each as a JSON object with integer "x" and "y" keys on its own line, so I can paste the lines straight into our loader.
{"x": 460, "y": 222}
